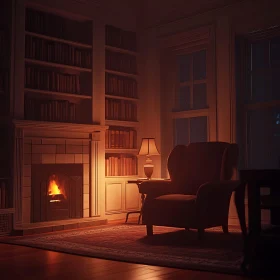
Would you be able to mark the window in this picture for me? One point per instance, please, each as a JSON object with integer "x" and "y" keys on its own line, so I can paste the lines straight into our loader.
{"x": 192, "y": 86}
{"x": 190, "y": 121}
{"x": 264, "y": 70}
{"x": 188, "y": 130}
{"x": 258, "y": 96}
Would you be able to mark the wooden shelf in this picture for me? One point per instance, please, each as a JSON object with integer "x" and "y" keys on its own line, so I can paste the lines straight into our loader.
{"x": 124, "y": 74}
{"x": 121, "y": 97}
{"x": 122, "y": 123}
{"x": 55, "y": 93}
{"x": 61, "y": 126}
{"x": 120, "y": 151}
{"x": 57, "y": 65}
{"x": 68, "y": 42}
{"x": 120, "y": 50}
{"x": 116, "y": 83}
{"x": 7, "y": 210}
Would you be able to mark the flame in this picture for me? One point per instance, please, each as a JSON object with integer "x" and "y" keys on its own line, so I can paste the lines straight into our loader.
{"x": 53, "y": 188}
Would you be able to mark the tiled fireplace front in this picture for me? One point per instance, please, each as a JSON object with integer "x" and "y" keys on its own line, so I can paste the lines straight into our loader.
{"x": 54, "y": 149}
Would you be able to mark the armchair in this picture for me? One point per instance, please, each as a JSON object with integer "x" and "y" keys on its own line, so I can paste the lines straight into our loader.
{"x": 198, "y": 193}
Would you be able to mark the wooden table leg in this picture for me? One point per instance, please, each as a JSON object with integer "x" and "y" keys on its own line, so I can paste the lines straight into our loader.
{"x": 239, "y": 200}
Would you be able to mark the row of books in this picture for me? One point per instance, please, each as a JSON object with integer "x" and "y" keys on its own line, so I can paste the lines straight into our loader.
{"x": 50, "y": 110}
{"x": 4, "y": 79}
{"x": 3, "y": 195}
{"x": 121, "y": 62}
{"x": 56, "y": 26}
{"x": 120, "y": 165}
{"x": 45, "y": 50}
{"x": 43, "y": 79}
{"x": 120, "y": 138}
{"x": 120, "y": 86}
{"x": 119, "y": 38}
{"x": 120, "y": 110}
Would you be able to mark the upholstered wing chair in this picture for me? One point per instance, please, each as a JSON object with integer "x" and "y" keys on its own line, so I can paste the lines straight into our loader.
{"x": 199, "y": 190}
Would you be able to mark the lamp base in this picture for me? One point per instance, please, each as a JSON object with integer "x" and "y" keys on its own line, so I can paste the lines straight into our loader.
{"x": 148, "y": 170}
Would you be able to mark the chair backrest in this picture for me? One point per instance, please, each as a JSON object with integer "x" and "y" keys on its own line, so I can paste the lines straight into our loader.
{"x": 199, "y": 163}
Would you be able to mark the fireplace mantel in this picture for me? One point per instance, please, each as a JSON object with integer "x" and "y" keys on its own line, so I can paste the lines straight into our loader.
{"x": 86, "y": 128}
{"x": 38, "y": 142}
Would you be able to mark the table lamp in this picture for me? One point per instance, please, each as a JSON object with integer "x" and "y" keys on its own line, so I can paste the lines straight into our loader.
{"x": 148, "y": 148}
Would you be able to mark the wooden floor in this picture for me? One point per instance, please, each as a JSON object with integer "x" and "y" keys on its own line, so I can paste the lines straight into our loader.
{"x": 19, "y": 262}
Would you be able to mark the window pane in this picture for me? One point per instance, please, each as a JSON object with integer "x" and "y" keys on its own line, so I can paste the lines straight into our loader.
{"x": 263, "y": 138}
{"x": 275, "y": 52}
{"x": 199, "y": 65}
{"x": 181, "y": 132}
{"x": 184, "y": 62}
{"x": 183, "y": 101}
{"x": 261, "y": 87}
{"x": 260, "y": 54}
{"x": 199, "y": 96}
{"x": 198, "y": 129}
{"x": 276, "y": 85}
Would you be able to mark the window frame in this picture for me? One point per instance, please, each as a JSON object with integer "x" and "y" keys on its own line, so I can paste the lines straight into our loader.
{"x": 182, "y": 43}
{"x": 245, "y": 68}
{"x": 204, "y": 112}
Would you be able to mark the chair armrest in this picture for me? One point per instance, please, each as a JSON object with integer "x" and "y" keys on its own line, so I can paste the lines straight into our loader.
{"x": 212, "y": 202}
{"x": 216, "y": 192}
{"x": 156, "y": 188}
{"x": 211, "y": 188}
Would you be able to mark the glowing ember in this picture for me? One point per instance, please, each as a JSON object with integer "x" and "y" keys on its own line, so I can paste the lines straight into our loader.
{"x": 55, "y": 191}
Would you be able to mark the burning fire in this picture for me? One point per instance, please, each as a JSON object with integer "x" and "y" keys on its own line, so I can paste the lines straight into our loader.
{"x": 55, "y": 191}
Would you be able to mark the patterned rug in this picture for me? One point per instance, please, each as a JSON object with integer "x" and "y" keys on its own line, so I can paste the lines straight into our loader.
{"x": 217, "y": 252}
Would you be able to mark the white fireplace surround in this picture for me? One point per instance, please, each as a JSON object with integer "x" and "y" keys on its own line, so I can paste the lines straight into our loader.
{"x": 55, "y": 143}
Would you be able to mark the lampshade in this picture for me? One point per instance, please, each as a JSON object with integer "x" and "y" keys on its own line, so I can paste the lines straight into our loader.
{"x": 148, "y": 147}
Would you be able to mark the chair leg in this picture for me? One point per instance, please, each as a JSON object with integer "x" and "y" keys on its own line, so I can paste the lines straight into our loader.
{"x": 127, "y": 217}
{"x": 200, "y": 233}
{"x": 225, "y": 228}
{"x": 149, "y": 230}
{"x": 139, "y": 218}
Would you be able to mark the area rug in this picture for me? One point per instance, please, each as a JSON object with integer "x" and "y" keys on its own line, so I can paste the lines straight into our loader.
{"x": 171, "y": 247}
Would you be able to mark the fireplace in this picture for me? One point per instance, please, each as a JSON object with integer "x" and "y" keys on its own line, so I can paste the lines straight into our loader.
{"x": 57, "y": 192}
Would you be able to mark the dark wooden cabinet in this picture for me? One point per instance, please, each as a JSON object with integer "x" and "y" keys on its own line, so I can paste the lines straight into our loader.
{"x": 262, "y": 243}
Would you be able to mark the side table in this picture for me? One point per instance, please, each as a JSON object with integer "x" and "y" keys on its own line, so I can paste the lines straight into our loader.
{"x": 260, "y": 243}
{"x": 138, "y": 182}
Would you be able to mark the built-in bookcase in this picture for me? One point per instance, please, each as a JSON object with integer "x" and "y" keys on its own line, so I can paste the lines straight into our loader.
{"x": 121, "y": 102}
{"x": 58, "y": 68}
{"x": 4, "y": 69}
{"x": 6, "y": 184}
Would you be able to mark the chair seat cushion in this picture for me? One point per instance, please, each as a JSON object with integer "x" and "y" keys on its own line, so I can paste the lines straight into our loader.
{"x": 170, "y": 210}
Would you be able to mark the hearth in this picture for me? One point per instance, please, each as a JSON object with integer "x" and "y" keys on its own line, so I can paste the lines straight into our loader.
{"x": 57, "y": 192}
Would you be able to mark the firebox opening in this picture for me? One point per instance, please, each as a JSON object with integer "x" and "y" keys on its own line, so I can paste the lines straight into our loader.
{"x": 57, "y": 192}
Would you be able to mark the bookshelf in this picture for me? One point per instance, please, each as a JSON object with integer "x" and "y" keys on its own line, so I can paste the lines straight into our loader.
{"x": 4, "y": 69}
{"x": 6, "y": 194}
{"x": 121, "y": 103}
{"x": 58, "y": 68}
